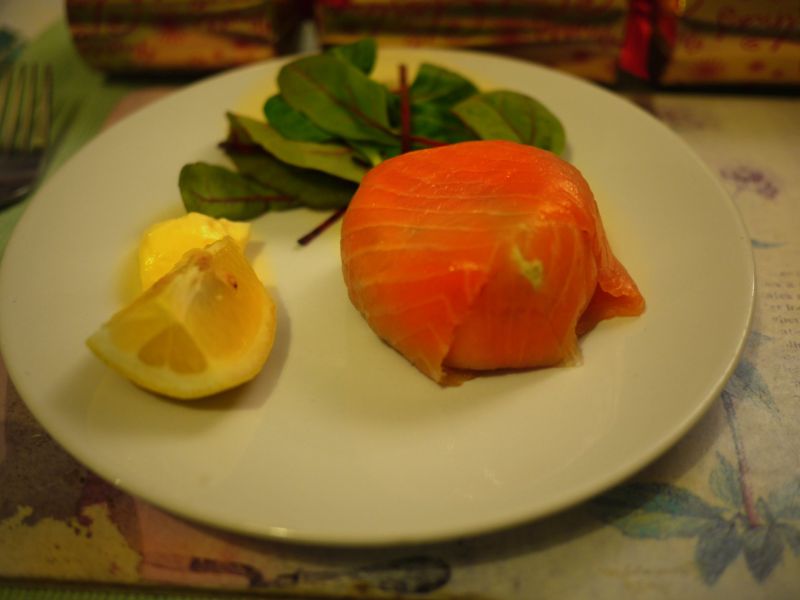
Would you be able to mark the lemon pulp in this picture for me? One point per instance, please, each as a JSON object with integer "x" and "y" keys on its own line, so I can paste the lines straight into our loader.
{"x": 206, "y": 326}
{"x": 164, "y": 243}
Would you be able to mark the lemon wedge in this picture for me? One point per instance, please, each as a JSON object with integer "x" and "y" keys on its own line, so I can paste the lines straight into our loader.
{"x": 164, "y": 243}
{"x": 206, "y": 326}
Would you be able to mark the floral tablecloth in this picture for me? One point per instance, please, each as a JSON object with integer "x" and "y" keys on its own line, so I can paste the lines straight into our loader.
{"x": 718, "y": 516}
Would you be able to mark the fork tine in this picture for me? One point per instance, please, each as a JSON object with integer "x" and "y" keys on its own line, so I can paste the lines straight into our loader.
{"x": 27, "y": 106}
{"x": 5, "y": 86}
{"x": 26, "y": 96}
{"x": 13, "y": 101}
{"x": 42, "y": 117}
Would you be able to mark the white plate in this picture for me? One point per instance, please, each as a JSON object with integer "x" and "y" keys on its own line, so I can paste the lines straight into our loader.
{"x": 340, "y": 440}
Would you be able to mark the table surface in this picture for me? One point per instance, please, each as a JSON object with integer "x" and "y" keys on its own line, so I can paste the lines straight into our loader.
{"x": 718, "y": 516}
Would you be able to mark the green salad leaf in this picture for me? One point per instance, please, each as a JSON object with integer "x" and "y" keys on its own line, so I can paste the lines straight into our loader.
{"x": 330, "y": 122}
{"x": 333, "y": 159}
{"x": 506, "y": 115}
{"x": 360, "y": 54}
{"x": 292, "y": 124}
{"x": 305, "y": 187}
{"x": 441, "y": 86}
{"x": 371, "y": 154}
{"x": 219, "y": 192}
{"x": 338, "y": 97}
{"x": 436, "y": 122}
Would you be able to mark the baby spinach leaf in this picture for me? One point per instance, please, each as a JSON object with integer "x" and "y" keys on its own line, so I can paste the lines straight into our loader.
{"x": 338, "y": 97}
{"x": 219, "y": 192}
{"x": 333, "y": 159}
{"x": 440, "y": 86}
{"x": 437, "y": 122}
{"x": 330, "y": 123}
{"x": 291, "y": 123}
{"x": 393, "y": 110}
{"x": 360, "y": 54}
{"x": 309, "y": 188}
{"x": 512, "y": 116}
{"x": 369, "y": 154}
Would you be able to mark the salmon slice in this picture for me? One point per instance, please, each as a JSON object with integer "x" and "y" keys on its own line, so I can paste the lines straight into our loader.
{"x": 481, "y": 256}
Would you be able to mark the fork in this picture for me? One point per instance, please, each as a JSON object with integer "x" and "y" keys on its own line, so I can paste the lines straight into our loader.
{"x": 26, "y": 100}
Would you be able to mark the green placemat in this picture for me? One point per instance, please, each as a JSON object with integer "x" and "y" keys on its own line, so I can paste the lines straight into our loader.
{"x": 82, "y": 100}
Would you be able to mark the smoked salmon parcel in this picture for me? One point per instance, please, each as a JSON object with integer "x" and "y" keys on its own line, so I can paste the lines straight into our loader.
{"x": 481, "y": 256}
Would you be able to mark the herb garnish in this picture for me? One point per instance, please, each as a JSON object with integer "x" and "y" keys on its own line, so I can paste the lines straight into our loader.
{"x": 330, "y": 122}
